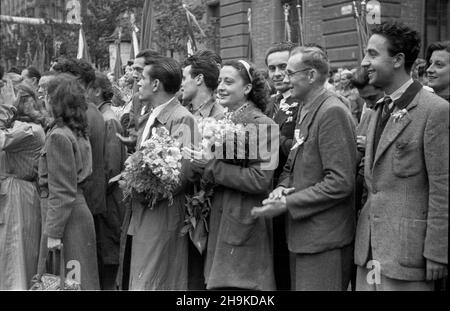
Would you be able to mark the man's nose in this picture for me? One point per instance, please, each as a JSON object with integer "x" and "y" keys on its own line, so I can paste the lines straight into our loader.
{"x": 365, "y": 62}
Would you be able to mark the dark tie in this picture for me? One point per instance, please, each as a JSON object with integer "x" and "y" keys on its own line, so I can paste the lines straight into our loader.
{"x": 386, "y": 109}
{"x": 276, "y": 105}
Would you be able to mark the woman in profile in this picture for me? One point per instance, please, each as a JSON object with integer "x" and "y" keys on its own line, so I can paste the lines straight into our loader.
{"x": 65, "y": 162}
{"x": 21, "y": 140}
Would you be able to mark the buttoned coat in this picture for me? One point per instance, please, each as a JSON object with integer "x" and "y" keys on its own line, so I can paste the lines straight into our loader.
{"x": 405, "y": 219}
{"x": 159, "y": 251}
{"x": 239, "y": 250}
{"x": 322, "y": 170}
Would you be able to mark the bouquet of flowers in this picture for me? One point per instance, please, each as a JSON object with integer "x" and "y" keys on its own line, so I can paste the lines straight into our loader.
{"x": 215, "y": 134}
{"x": 224, "y": 133}
{"x": 153, "y": 172}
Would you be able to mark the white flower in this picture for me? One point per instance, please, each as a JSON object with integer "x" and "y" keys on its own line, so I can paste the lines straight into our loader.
{"x": 398, "y": 115}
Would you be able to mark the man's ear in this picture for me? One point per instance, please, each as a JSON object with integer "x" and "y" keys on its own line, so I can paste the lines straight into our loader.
{"x": 399, "y": 60}
{"x": 199, "y": 79}
{"x": 155, "y": 85}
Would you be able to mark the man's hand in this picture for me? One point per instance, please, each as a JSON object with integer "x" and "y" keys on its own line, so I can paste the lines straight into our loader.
{"x": 127, "y": 141}
{"x": 198, "y": 159}
{"x": 271, "y": 208}
{"x": 53, "y": 243}
{"x": 436, "y": 270}
{"x": 279, "y": 192}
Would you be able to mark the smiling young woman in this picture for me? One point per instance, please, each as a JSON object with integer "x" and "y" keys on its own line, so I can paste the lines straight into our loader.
{"x": 239, "y": 249}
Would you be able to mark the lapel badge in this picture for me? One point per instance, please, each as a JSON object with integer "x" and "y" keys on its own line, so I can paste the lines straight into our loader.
{"x": 398, "y": 115}
{"x": 298, "y": 140}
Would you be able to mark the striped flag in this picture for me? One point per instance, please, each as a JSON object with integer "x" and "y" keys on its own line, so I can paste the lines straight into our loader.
{"x": 83, "y": 52}
{"x": 147, "y": 25}
{"x": 192, "y": 20}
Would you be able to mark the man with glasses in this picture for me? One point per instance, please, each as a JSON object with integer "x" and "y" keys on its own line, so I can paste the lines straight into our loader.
{"x": 316, "y": 188}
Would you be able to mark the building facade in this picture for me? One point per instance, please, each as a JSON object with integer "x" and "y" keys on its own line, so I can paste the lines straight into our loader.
{"x": 330, "y": 23}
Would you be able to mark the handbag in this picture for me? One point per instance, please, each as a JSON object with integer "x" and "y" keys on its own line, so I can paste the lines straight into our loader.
{"x": 50, "y": 281}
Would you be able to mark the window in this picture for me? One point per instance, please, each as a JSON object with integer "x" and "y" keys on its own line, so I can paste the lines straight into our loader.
{"x": 437, "y": 26}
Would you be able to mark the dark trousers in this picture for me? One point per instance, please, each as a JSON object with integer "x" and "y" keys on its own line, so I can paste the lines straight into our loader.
{"x": 196, "y": 279}
{"x": 281, "y": 254}
{"x": 326, "y": 271}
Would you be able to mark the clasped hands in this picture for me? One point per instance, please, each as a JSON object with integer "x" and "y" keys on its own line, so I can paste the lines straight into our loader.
{"x": 274, "y": 205}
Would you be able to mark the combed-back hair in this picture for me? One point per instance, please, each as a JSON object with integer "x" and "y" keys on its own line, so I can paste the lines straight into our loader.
{"x": 205, "y": 66}
{"x": 279, "y": 47}
{"x": 168, "y": 71}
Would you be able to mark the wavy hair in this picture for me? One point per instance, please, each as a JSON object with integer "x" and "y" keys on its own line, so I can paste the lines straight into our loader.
{"x": 259, "y": 94}
{"x": 68, "y": 103}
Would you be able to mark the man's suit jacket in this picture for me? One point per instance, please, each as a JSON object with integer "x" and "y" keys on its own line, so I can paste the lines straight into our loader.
{"x": 405, "y": 219}
{"x": 95, "y": 185}
{"x": 286, "y": 121}
{"x": 321, "y": 211}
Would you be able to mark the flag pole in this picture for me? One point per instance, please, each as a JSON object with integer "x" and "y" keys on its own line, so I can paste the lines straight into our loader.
{"x": 300, "y": 22}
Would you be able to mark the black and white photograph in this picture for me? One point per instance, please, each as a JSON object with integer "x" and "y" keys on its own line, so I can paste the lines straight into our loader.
{"x": 225, "y": 151}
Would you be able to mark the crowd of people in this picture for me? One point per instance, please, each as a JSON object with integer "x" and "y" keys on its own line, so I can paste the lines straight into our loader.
{"x": 357, "y": 201}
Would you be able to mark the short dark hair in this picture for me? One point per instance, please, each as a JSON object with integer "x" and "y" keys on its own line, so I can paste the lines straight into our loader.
{"x": 77, "y": 67}
{"x": 147, "y": 54}
{"x": 102, "y": 82}
{"x": 205, "y": 66}
{"x": 210, "y": 54}
{"x": 259, "y": 94}
{"x": 168, "y": 71}
{"x": 68, "y": 102}
{"x": 315, "y": 58}
{"x": 279, "y": 47}
{"x": 15, "y": 70}
{"x": 437, "y": 46}
{"x": 402, "y": 39}
{"x": 33, "y": 72}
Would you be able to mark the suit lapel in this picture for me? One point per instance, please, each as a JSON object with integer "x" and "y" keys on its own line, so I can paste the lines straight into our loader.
{"x": 395, "y": 127}
{"x": 391, "y": 132}
{"x": 370, "y": 138}
{"x": 307, "y": 121}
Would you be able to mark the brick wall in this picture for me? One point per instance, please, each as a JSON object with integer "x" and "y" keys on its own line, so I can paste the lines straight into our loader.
{"x": 324, "y": 24}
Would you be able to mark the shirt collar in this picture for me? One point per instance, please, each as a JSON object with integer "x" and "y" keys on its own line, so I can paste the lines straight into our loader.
{"x": 287, "y": 94}
{"x": 399, "y": 92}
{"x": 156, "y": 111}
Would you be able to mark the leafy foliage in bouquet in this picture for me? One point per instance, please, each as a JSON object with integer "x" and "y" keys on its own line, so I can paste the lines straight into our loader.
{"x": 153, "y": 172}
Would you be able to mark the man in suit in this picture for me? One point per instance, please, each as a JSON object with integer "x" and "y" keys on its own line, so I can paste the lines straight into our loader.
{"x": 402, "y": 233}
{"x": 100, "y": 93}
{"x": 283, "y": 109}
{"x": 316, "y": 188}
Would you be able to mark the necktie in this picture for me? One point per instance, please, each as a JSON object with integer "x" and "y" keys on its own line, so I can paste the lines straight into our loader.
{"x": 276, "y": 105}
{"x": 386, "y": 109}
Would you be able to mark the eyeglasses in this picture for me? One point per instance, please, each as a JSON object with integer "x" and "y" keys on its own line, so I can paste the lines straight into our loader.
{"x": 291, "y": 73}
